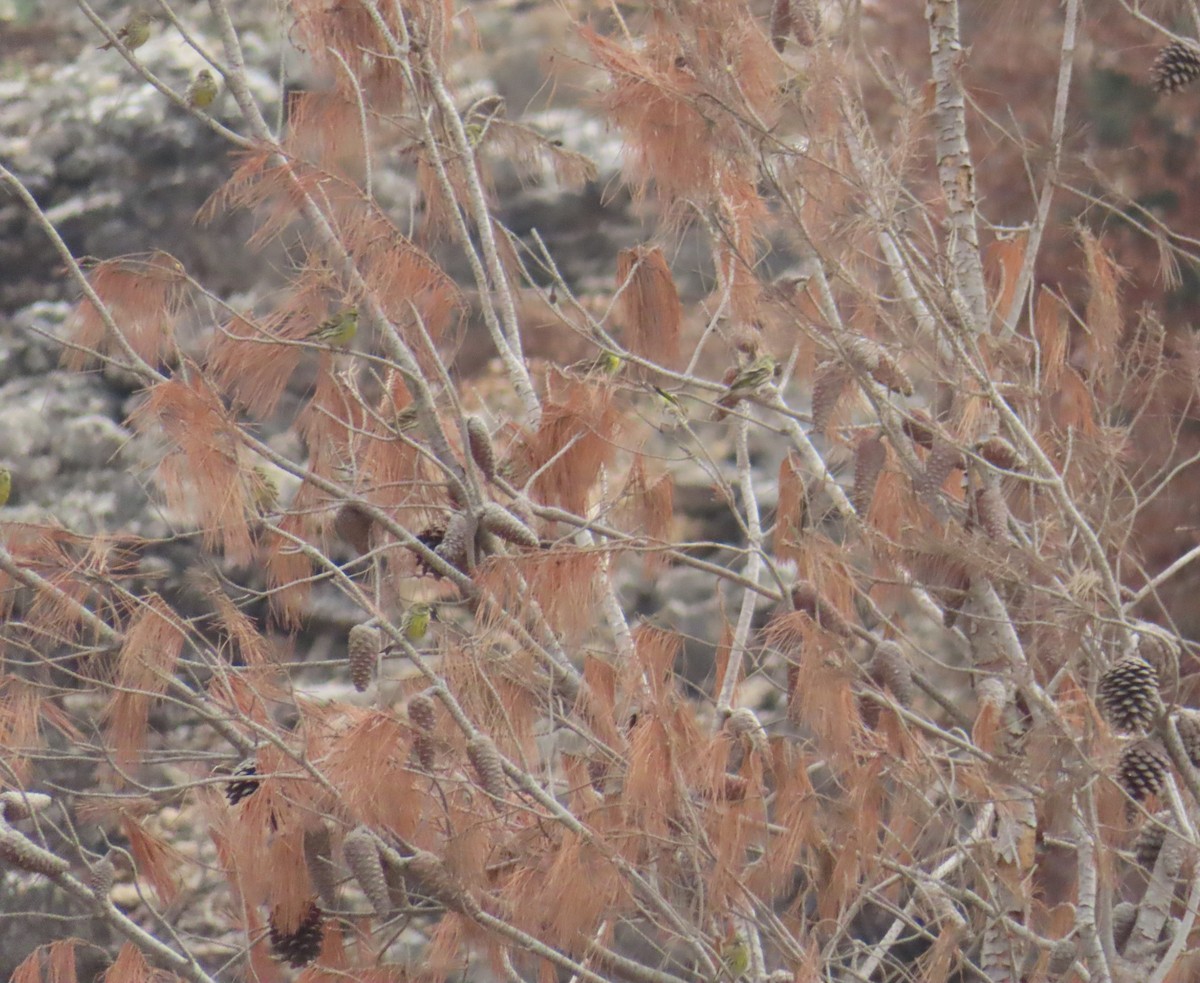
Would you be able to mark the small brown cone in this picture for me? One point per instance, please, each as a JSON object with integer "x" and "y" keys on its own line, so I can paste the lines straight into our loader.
{"x": 942, "y": 459}
{"x": 829, "y": 383}
{"x": 362, "y": 857}
{"x": 243, "y": 783}
{"x": 318, "y": 858}
{"x": 430, "y": 875}
{"x": 422, "y": 711}
{"x": 1062, "y": 957}
{"x": 100, "y": 877}
{"x": 480, "y": 443}
{"x": 1128, "y": 693}
{"x": 890, "y": 668}
{"x": 992, "y": 511}
{"x": 1124, "y": 915}
{"x": 1175, "y": 66}
{"x": 362, "y": 654}
{"x": 302, "y": 946}
{"x": 453, "y": 547}
{"x": 498, "y": 520}
{"x": 806, "y": 598}
{"x": 353, "y": 524}
{"x": 781, "y": 23}
{"x": 1187, "y": 722}
{"x": 869, "y": 459}
{"x": 919, "y": 428}
{"x": 1142, "y": 769}
{"x": 999, "y": 453}
{"x": 807, "y": 24}
{"x": 485, "y": 759}
{"x": 1150, "y": 838}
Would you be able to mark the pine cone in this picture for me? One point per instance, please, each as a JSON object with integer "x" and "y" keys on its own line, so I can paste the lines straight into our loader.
{"x": 919, "y": 428}
{"x": 869, "y": 459}
{"x": 303, "y": 945}
{"x": 422, "y": 712}
{"x": 1174, "y": 66}
{"x": 362, "y": 653}
{"x": 1187, "y": 722}
{"x": 424, "y": 749}
{"x": 453, "y": 547}
{"x": 485, "y": 759}
{"x": 238, "y": 788}
{"x": 1062, "y": 957}
{"x": 1150, "y": 839}
{"x": 427, "y": 872}
{"x": 1124, "y": 915}
{"x": 942, "y": 459}
{"x": 1129, "y": 693}
{"x": 497, "y": 519}
{"x": 890, "y": 668}
{"x": 362, "y": 857}
{"x": 992, "y": 511}
{"x": 806, "y": 598}
{"x": 482, "y": 451}
{"x": 999, "y": 453}
{"x": 1142, "y": 769}
{"x": 352, "y": 523}
{"x": 829, "y": 382}
{"x": 318, "y": 858}
{"x": 781, "y": 23}
{"x": 100, "y": 877}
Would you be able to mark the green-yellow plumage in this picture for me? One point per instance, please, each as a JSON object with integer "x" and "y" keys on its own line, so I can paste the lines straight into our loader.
{"x": 203, "y": 90}
{"x": 135, "y": 33}
{"x": 340, "y": 329}
{"x": 606, "y": 363}
{"x": 735, "y": 958}
{"x": 757, "y": 373}
{"x": 5, "y": 485}
{"x": 416, "y": 622}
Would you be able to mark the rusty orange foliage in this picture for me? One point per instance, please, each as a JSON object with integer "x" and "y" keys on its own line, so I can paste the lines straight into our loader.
{"x": 145, "y": 666}
{"x": 144, "y": 295}
{"x": 252, "y": 361}
{"x": 201, "y": 473}
{"x": 19, "y": 737}
{"x": 572, "y": 442}
{"x": 1105, "y": 323}
{"x": 155, "y": 860}
{"x": 650, "y": 303}
{"x": 130, "y": 966}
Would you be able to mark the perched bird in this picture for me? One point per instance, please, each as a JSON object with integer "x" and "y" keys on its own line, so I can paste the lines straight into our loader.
{"x": 753, "y": 376}
{"x": 5, "y": 485}
{"x": 265, "y": 489}
{"x": 416, "y": 622}
{"x": 673, "y": 412}
{"x": 735, "y": 958}
{"x": 746, "y": 380}
{"x": 135, "y": 33}
{"x": 202, "y": 90}
{"x": 606, "y": 363}
{"x": 340, "y": 329}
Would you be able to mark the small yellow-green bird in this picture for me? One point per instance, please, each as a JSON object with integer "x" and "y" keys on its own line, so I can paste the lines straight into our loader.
{"x": 606, "y": 363}
{"x": 416, "y": 622}
{"x": 135, "y": 33}
{"x": 758, "y": 373}
{"x": 203, "y": 90}
{"x": 735, "y": 958}
{"x": 5, "y": 485}
{"x": 340, "y": 329}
